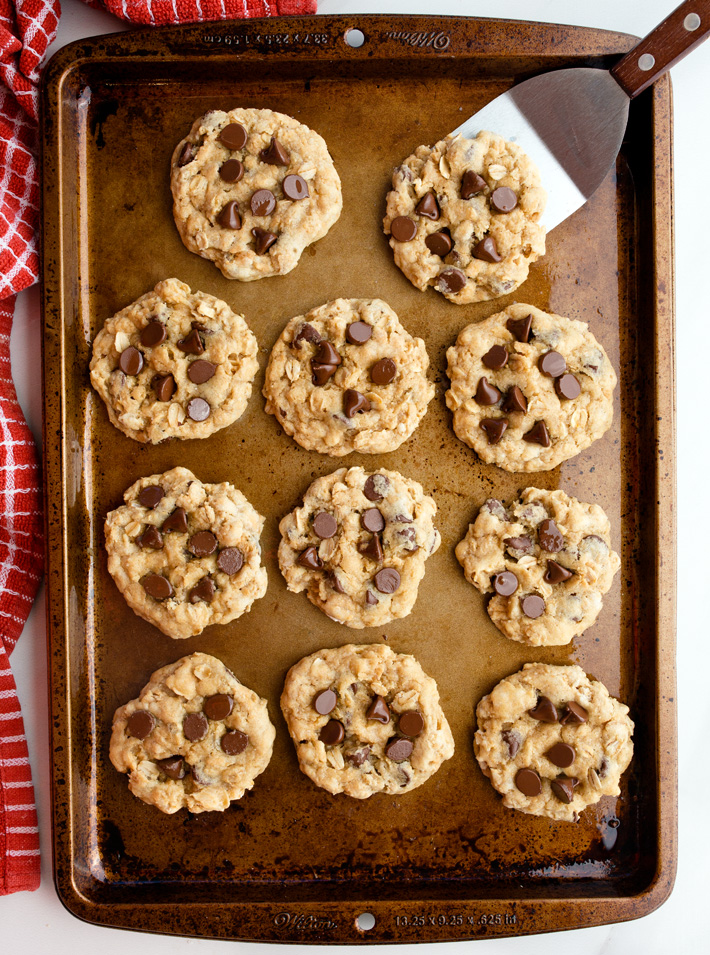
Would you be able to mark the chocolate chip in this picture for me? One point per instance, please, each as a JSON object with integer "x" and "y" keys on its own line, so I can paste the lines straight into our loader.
{"x": 327, "y": 354}
{"x": 354, "y": 403}
{"x": 561, "y": 754}
{"x": 387, "y": 580}
{"x": 399, "y": 749}
{"x": 563, "y": 788}
{"x": 549, "y": 536}
{"x": 205, "y": 590}
{"x": 528, "y": 782}
{"x": 357, "y": 333}
{"x": 173, "y": 767}
{"x": 428, "y": 207}
{"x": 200, "y": 371}
{"x": 187, "y": 154}
{"x": 275, "y": 154}
{"x": 177, "y": 521}
{"x": 496, "y": 358}
{"x": 451, "y": 281}
{"x": 512, "y": 741}
{"x": 153, "y": 334}
{"x": 538, "y": 435}
{"x": 263, "y": 240}
{"x": 495, "y": 508}
{"x": 233, "y": 136}
{"x": 373, "y": 549}
{"x": 202, "y": 544}
{"x": 151, "y": 495}
{"x": 487, "y": 250}
{"x": 505, "y": 583}
{"x": 140, "y": 724}
{"x": 218, "y": 707}
{"x": 403, "y": 229}
{"x": 494, "y": 428}
{"x": 383, "y": 372}
{"x": 151, "y": 538}
{"x": 487, "y": 394}
{"x": 520, "y": 328}
{"x": 409, "y": 535}
{"x": 229, "y": 217}
{"x": 306, "y": 333}
{"x": 556, "y": 573}
{"x": 295, "y": 187}
{"x": 471, "y": 184}
{"x": 544, "y": 710}
{"x": 332, "y": 733}
{"x": 378, "y": 710}
{"x": 522, "y": 544}
{"x": 230, "y": 560}
{"x": 376, "y": 486}
{"x": 372, "y": 520}
{"x": 371, "y": 599}
{"x": 552, "y": 364}
{"x": 192, "y": 343}
{"x": 324, "y": 525}
{"x": 603, "y": 766}
{"x": 324, "y": 702}
{"x": 503, "y": 199}
{"x": 439, "y": 243}
{"x": 309, "y": 558}
{"x": 163, "y": 386}
{"x": 130, "y": 361}
{"x": 157, "y": 587}
{"x": 359, "y": 757}
{"x": 532, "y": 605}
{"x": 234, "y": 742}
{"x": 262, "y": 202}
{"x": 321, "y": 373}
{"x": 574, "y": 714}
{"x": 195, "y": 727}
{"x": 515, "y": 400}
{"x": 567, "y": 387}
{"x": 231, "y": 171}
{"x": 198, "y": 409}
{"x": 402, "y": 519}
{"x": 411, "y": 723}
{"x": 334, "y": 582}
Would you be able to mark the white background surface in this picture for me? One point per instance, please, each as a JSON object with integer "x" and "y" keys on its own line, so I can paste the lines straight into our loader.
{"x": 37, "y": 922}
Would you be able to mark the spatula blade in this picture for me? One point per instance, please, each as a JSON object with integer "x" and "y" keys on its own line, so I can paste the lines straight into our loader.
{"x": 570, "y": 122}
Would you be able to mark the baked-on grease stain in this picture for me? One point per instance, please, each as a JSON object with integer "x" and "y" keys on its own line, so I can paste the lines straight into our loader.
{"x": 108, "y": 108}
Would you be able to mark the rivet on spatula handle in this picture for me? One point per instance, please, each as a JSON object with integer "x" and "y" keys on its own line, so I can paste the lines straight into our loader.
{"x": 679, "y": 33}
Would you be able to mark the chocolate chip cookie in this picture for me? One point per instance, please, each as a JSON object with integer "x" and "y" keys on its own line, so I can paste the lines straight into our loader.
{"x": 174, "y": 364}
{"x": 348, "y": 377}
{"x": 251, "y": 189}
{"x": 365, "y": 720}
{"x": 195, "y": 737}
{"x": 358, "y": 545}
{"x": 463, "y": 217}
{"x": 546, "y": 559}
{"x": 185, "y": 554}
{"x": 529, "y": 389}
{"x": 552, "y": 741}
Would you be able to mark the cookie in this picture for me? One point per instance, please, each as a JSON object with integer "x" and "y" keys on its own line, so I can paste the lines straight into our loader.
{"x": 174, "y": 364}
{"x": 251, "y": 189}
{"x": 195, "y": 738}
{"x": 529, "y": 389}
{"x": 365, "y": 720}
{"x": 185, "y": 554}
{"x": 552, "y": 741}
{"x": 546, "y": 559}
{"x": 463, "y": 217}
{"x": 358, "y": 545}
{"x": 348, "y": 377}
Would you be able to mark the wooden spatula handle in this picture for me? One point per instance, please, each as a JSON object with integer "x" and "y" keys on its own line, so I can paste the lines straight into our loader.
{"x": 679, "y": 33}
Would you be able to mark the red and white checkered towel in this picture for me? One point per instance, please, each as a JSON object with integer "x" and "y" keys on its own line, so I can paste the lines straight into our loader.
{"x": 27, "y": 27}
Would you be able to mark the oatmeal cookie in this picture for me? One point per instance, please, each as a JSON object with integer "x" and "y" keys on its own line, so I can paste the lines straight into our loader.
{"x": 546, "y": 559}
{"x": 174, "y": 364}
{"x": 358, "y": 545}
{"x": 529, "y": 389}
{"x": 251, "y": 189}
{"x": 365, "y": 720}
{"x": 185, "y": 554}
{"x": 464, "y": 217}
{"x": 348, "y": 377}
{"x": 195, "y": 737}
{"x": 552, "y": 741}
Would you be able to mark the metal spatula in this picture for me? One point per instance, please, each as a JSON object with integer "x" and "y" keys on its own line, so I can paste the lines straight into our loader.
{"x": 571, "y": 122}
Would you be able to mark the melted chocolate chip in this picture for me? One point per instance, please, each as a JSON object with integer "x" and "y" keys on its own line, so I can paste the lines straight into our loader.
{"x": 471, "y": 184}
{"x": 387, "y": 580}
{"x": 205, "y": 590}
{"x": 378, "y": 710}
{"x": 151, "y": 538}
{"x": 487, "y": 250}
{"x": 140, "y": 724}
{"x": 428, "y": 207}
{"x": 151, "y": 495}
{"x": 187, "y": 154}
{"x": 324, "y": 525}
{"x": 538, "y": 435}
{"x": 295, "y": 188}
{"x": 153, "y": 334}
{"x": 494, "y": 428}
{"x": 496, "y": 358}
{"x": 191, "y": 344}
{"x": 263, "y": 240}
{"x": 512, "y": 741}
{"x": 552, "y": 364}
{"x": 202, "y": 544}
{"x": 200, "y": 371}
{"x": 231, "y": 171}
{"x": 324, "y": 702}
{"x": 532, "y": 605}
{"x": 561, "y": 754}
{"x": 403, "y": 229}
{"x": 411, "y": 723}
{"x": 522, "y": 544}
{"x": 503, "y": 199}
{"x": 234, "y": 742}
{"x": 544, "y": 710}
{"x": 177, "y": 521}
{"x": 371, "y": 599}
{"x": 157, "y": 587}
{"x": 505, "y": 583}
{"x": 173, "y": 767}
{"x": 528, "y": 782}
{"x": 332, "y": 733}
{"x": 376, "y": 486}
{"x": 549, "y": 536}
{"x": 451, "y": 281}
{"x": 439, "y": 243}
{"x": 383, "y": 372}
{"x": 567, "y": 387}
{"x": 357, "y": 333}
{"x": 306, "y": 333}
{"x": 310, "y": 559}
{"x": 230, "y": 560}
{"x": 574, "y": 714}
{"x": 321, "y": 373}
{"x": 373, "y": 549}
{"x": 198, "y": 409}
{"x": 218, "y": 707}
{"x": 229, "y": 217}
{"x": 515, "y": 400}
{"x": 334, "y": 582}
{"x": 520, "y": 328}
{"x": 556, "y": 573}
{"x": 487, "y": 394}
{"x": 163, "y": 386}
{"x": 130, "y": 361}
{"x": 327, "y": 354}
{"x": 275, "y": 154}
{"x": 563, "y": 787}
{"x": 354, "y": 403}
{"x": 359, "y": 757}
{"x": 195, "y": 727}
{"x": 262, "y": 203}
{"x": 398, "y": 750}
{"x": 233, "y": 136}
{"x": 372, "y": 520}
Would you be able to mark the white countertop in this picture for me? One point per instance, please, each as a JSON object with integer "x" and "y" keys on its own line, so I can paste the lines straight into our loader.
{"x": 37, "y": 922}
